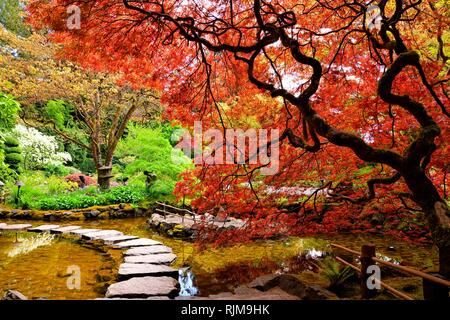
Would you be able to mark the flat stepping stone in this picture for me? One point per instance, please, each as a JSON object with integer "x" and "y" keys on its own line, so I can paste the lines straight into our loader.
{"x": 163, "y": 258}
{"x": 65, "y": 229}
{"x": 143, "y": 287}
{"x": 101, "y": 234}
{"x": 80, "y": 232}
{"x": 140, "y": 251}
{"x": 116, "y": 239}
{"x": 15, "y": 227}
{"x": 2, "y": 224}
{"x": 141, "y": 242}
{"x": 43, "y": 228}
{"x": 131, "y": 270}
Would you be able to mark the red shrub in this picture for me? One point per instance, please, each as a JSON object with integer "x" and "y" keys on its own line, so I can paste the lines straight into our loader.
{"x": 75, "y": 177}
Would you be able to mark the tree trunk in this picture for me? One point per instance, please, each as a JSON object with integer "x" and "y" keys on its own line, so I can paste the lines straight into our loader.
{"x": 437, "y": 212}
{"x": 104, "y": 175}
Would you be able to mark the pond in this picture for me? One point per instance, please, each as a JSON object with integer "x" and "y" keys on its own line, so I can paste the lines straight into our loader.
{"x": 43, "y": 272}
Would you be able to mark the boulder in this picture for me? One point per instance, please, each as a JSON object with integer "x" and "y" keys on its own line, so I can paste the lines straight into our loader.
{"x": 91, "y": 214}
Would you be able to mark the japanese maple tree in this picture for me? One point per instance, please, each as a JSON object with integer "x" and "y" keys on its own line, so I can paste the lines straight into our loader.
{"x": 348, "y": 84}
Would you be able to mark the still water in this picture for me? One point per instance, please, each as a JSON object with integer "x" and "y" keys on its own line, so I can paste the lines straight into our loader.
{"x": 43, "y": 271}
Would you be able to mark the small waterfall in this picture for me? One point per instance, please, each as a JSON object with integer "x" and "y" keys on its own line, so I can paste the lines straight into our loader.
{"x": 186, "y": 280}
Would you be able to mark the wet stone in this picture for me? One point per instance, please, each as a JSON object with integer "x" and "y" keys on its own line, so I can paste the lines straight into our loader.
{"x": 80, "y": 232}
{"x": 65, "y": 229}
{"x": 15, "y": 227}
{"x": 131, "y": 270}
{"x": 102, "y": 234}
{"x": 139, "y": 251}
{"x": 163, "y": 258}
{"x": 43, "y": 228}
{"x": 143, "y": 287}
{"x": 141, "y": 242}
{"x": 116, "y": 239}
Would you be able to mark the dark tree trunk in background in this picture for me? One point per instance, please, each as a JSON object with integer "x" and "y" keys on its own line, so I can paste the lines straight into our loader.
{"x": 437, "y": 212}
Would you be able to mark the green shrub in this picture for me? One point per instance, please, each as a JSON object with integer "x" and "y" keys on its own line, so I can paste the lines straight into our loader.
{"x": 36, "y": 187}
{"x": 11, "y": 142}
{"x": 92, "y": 197}
{"x": 335, "y": 273}
{"x": 12, "y": 149}
{"x": 147, "y": 149}
{"x": 13, "y": 158}
{"x": 59, "y": 170}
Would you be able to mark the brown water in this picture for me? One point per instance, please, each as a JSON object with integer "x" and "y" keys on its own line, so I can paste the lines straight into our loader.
{"x": 40, "y": 273}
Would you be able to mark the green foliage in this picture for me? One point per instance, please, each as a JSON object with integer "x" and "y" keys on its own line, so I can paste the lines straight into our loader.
{"x": 12, "y": 150}
{"x": 13, "y": 158}
{"x": 50, "y": 192}
{"x": 58, "y": 170}
{"x": 9, "y": 108}
{"x": 335, "y": 274}
{"x": 12, "y": 154}
{"x": 59, "y": 112}
{"x": 92, "y": 197}
{"x": 11, "y": 17}
{"x": 37, "y": 186}
{"x": 148, "y": 149}
{"x": 11, "y": 142}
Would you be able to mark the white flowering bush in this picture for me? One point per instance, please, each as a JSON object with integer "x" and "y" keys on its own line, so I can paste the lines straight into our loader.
{"x": 38, "y": 149}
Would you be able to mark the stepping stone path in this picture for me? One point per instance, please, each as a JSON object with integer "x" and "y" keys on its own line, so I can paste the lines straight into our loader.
{"x": 15, "y": 227}
{"x": 145, "y": 273}
{"x": 141, "y": 242}
{"x": 162, "y": 258}
{"x": 117, "y": 239}
{"x": 138, "y": 251}
{"x": 43, "y": 228}
{"x": 141, "y": 287}
{"x": 66, "y": 229}
{"x": 130, "y": 270}
{"x": 101, "y": 234}
{"x": 82, "y": 231}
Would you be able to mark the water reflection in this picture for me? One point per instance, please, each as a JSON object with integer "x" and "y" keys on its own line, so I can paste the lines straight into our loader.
{"x": 26, "y": 245}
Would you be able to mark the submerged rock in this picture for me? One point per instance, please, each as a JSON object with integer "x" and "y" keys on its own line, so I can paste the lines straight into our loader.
{"x": 292, "y": 285}
{"x": 14, "y": 295}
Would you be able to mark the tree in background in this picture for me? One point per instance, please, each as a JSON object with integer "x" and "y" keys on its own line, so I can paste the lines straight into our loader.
{"x": 87, "y": 109}
{"x": 11, "y": 16}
